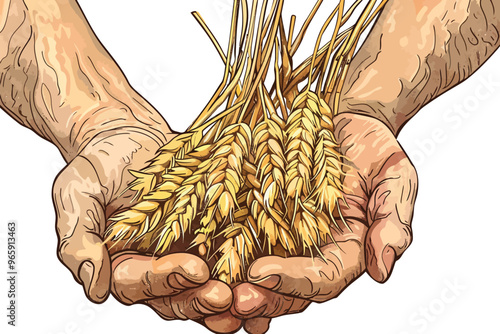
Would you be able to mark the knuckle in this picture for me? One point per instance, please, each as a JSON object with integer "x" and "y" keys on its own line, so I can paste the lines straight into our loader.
{"x": 64, "y": 249}
{"x": 407, "y": 238}
{"x": 61, "y": 179}
{"x": 69, "y": 255}
{"x": 72, "y": 250}
{"x": 64, "y": 179}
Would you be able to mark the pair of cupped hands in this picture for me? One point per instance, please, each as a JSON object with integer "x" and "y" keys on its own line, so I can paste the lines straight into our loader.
{"x": 382, "y": 186}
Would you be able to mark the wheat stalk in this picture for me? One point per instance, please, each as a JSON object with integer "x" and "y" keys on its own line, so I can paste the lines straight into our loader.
{"x": 264, "y": 175}
{"x": 224, "y": 180}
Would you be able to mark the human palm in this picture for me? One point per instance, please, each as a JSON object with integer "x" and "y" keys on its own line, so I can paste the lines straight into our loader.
{"x": 381, "y": 190}
{"x": 86, "y": 193}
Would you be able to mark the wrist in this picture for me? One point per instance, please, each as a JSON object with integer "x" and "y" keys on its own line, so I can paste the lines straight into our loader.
{"x": 112, "y": 153}
{"x": 92, "y": 125}
{"x": 383, "y": 112}
{"x": 349, "y": 125}
{"x": 65, "y": 86}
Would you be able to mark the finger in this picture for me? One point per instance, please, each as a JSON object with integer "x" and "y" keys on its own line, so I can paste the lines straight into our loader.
{"x": 137, "y": 277}
{"x": 223, "y": 323}
{"x": 214, "y": 297}
{"x": 80, "y": 220}
{"x": 252, "y": 301}
{"x": 257, "y": 325}
{"x": 317, "y": 279}
{"x": 390, "y": 212}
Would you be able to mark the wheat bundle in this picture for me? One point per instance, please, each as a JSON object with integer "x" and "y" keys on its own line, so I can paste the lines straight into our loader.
{"x": 264, "y": 175}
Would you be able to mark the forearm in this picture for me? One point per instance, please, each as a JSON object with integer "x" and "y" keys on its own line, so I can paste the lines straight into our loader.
{"x": 416, "y": 51}
{"x": 58, "y": 80}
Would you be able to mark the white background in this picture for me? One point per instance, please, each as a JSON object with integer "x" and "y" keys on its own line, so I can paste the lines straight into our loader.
{"x": 169, "y": 60}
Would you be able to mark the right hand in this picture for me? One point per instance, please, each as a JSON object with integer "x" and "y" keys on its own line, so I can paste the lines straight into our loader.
{"x": 381, "y": 189}
{"x": 85, "y": 194}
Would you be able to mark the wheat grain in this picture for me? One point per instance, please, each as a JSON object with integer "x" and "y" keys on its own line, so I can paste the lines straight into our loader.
{"x": 268, "y": 207}
{"x": 224, "y": 180}
{"x": 265, "y": 176}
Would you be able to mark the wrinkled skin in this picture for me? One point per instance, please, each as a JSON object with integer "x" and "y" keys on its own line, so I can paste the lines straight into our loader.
{"x": 383, "y": 182}
{"x": 86, "y": 192}
{"x": 382, "y": 187}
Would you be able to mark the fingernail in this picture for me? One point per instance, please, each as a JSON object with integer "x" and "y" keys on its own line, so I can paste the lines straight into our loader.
{"x": 86, "y": 273}
{"x": 177, "y": 281}
{"x": 173, "y": 281}
{"x": 388, "y": 259}
{"x": 269, "y": 282}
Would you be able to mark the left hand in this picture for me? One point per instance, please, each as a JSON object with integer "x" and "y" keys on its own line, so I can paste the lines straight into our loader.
{"x": 382, "y": 191}
{"x": 86, "y": 193}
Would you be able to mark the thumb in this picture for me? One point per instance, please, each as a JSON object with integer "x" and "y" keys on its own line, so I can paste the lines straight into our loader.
{"x": 390, "y": 211}
{"x": 80, "y": 220}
